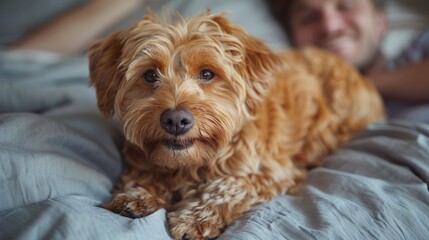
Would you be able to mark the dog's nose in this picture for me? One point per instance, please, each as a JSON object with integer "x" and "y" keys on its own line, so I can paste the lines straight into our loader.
{"x": 176, "y": 122}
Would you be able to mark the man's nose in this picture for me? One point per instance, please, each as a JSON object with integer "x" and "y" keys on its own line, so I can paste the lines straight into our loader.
{"x": 332, "y": 21}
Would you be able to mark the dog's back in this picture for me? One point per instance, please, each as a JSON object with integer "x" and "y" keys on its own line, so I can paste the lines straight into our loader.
{"x": 316, "y": 103}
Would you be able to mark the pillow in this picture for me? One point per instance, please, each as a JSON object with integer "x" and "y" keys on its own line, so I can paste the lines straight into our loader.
{"x": 253, "y": 15}
{"x": 406, "y": 19}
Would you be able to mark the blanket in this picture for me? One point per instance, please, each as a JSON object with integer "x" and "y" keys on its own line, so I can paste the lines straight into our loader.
{"x": 60, "y": 159}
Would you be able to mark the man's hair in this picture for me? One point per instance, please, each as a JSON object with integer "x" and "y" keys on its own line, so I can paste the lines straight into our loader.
{"x": 379, "y": 4}
{"x": 282, "y": 6}
{"x": 280, "y": 10}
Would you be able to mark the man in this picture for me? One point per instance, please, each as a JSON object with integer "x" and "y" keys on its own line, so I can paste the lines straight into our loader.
{"x": 354, "y": 29}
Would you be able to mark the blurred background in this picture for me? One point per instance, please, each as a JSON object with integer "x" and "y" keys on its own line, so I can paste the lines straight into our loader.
{"x": 68, "y": 27}
{"x": 63, "y": 27}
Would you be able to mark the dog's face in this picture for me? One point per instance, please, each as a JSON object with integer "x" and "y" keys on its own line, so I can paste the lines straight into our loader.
{"x": 182, "y": 90}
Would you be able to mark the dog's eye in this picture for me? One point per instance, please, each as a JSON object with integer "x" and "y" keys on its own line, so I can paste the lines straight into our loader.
{"x": 151, "y": 76}
{"x": 206, "y": 75}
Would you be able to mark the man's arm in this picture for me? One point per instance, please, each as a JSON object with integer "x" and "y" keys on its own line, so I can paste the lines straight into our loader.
{"x": 407, "y": 83}
{"x": 72, "y": 32}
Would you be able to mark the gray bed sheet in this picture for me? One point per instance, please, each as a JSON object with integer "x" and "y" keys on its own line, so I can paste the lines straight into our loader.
{"x": 59, "y": 160}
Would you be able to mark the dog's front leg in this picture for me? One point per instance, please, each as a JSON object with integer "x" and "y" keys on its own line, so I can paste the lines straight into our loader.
{"x": 216, "y": 205}
{"x": 139, "y": 197}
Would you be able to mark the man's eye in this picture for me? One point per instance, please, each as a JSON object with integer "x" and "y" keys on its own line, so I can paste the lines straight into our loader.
{"x": 310, "y": 18}
{"x": 151, "y": 76}
{"x": 345, "y": 6}
{"x": 206, "y": 75}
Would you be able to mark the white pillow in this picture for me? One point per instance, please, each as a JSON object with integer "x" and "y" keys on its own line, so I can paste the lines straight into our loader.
{"x": 252, "y": 15}
{"x": 406, "y": 19}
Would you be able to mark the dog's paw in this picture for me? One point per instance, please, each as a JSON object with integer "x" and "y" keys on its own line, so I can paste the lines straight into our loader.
{"x": 185, "y": 226}
{"x": 134, "y": 205}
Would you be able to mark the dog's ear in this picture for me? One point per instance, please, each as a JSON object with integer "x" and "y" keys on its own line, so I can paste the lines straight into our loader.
{"x": 260, "y": 62}
{"x": 104, "y": 58}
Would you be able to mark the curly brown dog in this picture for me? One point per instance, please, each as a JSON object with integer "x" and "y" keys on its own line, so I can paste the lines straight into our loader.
{"x": 215, "y": 122}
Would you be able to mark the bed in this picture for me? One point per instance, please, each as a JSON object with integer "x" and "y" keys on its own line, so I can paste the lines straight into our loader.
{"x": 60, "y": 159}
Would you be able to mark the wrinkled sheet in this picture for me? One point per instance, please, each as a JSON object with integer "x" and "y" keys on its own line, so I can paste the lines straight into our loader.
{"x": 59, "y": 160}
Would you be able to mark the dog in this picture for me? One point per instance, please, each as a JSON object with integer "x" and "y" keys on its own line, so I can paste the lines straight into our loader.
{"x": 215, "y": 122}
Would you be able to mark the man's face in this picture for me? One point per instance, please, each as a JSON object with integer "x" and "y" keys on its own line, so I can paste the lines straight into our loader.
{"x": 353, "y": 29}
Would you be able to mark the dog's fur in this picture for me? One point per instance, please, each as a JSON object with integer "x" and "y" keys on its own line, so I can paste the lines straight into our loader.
{"x": 258, "y": 124}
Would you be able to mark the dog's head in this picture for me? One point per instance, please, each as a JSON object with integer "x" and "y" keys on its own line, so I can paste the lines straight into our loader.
{"x": 182, "y": 90}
